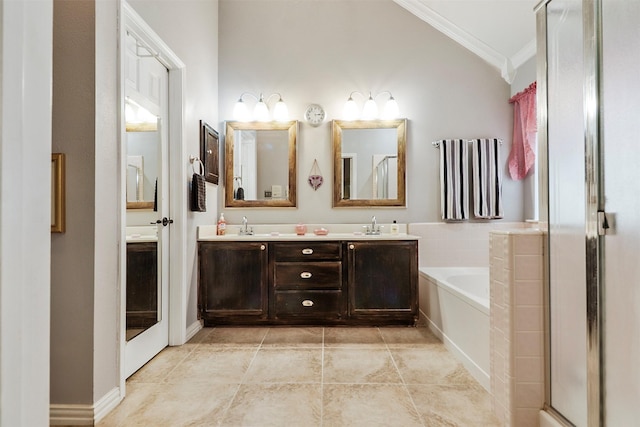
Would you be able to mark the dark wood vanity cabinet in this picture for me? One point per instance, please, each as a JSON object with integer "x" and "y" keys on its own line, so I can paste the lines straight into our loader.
{"x": 309, "y": 282}
{"x": 383, "y": 281}
{"x": 233, "y": 282}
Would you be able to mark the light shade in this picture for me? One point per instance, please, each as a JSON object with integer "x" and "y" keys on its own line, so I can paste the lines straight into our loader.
{"x": 261, "y": 111}
{"x": 370, "y": 110}
{"x": 240, "y": 111}
{"x": 391, "y": 110}
{"x": 130, "y": 115}
{"x": 350, "y": 111}
{"x": 280, "y": 111}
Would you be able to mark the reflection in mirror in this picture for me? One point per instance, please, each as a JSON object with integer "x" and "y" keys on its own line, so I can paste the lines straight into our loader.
{"x": 142, "y": 287}
{"x": 369, "y": 162}
{"x": 260, "y": 164}
{"x": 143, "y": 156}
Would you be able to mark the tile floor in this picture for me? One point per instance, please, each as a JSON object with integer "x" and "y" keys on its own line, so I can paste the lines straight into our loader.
{"x": 304, "y": 377}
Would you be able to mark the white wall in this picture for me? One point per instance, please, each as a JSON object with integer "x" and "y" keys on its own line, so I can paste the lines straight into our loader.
{"x": 190, "y": 29}
{"x": 25, "y": 162}
{"x": 320, "y": 51}
{"x": 106, "y": 346}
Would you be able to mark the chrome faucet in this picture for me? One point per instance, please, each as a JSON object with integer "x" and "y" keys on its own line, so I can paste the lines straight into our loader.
{"x": 245, "y": 230}
{"x": 374, "y": 228}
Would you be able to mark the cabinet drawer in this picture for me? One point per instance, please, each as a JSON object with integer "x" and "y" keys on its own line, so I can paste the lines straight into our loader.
{"x": 308, "y": 275}
{"x": 308, "y": 303}
{"x": 310, "y": 251}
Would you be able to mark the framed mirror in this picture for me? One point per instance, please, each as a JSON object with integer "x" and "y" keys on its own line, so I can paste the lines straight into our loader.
{"x": 260, "y": 164}
{"x": 143, "y": 151}
{"x": 369, "y": 160}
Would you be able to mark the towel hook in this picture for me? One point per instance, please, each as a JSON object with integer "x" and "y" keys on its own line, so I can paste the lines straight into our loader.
{"x": 192, "y": 160}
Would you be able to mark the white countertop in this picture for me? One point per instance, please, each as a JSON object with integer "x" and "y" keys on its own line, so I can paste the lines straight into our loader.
{"x": 286, "y": 232}
{"x": 142, "y": 233}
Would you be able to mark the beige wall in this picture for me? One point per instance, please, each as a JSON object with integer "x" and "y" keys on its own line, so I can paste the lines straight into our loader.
{"x": 84, "y": 271}
{"x": 320, "y": 51}
{"x": 72, "y": 253}
{"x": 85, "y": 285}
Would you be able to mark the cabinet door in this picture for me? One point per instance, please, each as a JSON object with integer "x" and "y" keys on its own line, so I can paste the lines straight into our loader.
{"x": 142, "y": 287}
{"x": 383, "y": 278}
{"x": 233, "y": 281}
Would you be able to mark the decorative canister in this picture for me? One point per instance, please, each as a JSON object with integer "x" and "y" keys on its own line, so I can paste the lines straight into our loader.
{"x": 301, "y": 229}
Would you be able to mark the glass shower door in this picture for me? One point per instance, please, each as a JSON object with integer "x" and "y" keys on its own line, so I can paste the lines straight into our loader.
{"x": 567, "y": 265}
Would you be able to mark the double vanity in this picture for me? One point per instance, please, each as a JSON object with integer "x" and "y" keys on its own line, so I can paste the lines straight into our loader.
{"x": 269, "y": 275}
{"x": 275, "y": 277}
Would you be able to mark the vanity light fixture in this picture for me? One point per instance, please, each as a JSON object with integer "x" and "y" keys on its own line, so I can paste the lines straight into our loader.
{"x": 261, "y": 109}
{"x": 137, "y": 118}
{"x": 370, "y": 110}
{"x": 136, "y": 113}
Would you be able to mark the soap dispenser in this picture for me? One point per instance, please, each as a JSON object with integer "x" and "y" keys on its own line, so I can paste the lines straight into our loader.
{"x": 394, "y": 229}
{"x": 222, "y": 225}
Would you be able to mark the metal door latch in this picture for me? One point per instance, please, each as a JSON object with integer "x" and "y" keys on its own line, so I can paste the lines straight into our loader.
{"x": 603, "y": 223}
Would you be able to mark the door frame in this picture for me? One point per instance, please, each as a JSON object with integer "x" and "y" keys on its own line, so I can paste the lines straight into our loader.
{"x": 132, "y": 22}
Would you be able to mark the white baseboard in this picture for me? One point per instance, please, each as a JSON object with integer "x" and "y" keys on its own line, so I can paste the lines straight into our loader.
{"x": 108, "y": 402}
{"x": 478, "y": 373}
{"x": 193, "y": 329}
{"x": 84, "y": 415}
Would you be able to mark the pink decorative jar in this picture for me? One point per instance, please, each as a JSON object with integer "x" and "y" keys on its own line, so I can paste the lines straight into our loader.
{"x": 301, "y": 229}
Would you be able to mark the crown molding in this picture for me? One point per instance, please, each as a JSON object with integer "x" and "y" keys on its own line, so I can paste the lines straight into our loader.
{"x": 524, "y": 54}
{"x": 506, "y": 66}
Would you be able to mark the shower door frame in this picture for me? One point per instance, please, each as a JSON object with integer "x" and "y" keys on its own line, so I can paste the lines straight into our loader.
{"x": 594, "y": 203}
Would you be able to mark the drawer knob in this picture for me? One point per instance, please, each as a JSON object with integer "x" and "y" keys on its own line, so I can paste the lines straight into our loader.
{"x": 307, "y": 251}
{"x": 263, "y": 247}
{"x": 307, "y": 303}
{"x": 351, "y": 246}
{"x": 305, "y": 275}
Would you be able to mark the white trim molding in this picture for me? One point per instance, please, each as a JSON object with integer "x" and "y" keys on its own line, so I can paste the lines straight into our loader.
{"x": 84, "y": 415}
{"x": 507, "y": 66}
{"x": 193, "y": 329}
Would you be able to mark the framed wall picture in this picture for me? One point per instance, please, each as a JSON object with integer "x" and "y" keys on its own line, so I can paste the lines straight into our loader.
{"x": 209, "y": 143}
{"x": 57, "y": 193}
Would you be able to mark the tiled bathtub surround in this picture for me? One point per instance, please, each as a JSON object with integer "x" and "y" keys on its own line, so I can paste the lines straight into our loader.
{"x": 516, "y": 326}
{"x": 305, "y": 377}
{"x": 457, "y": 244}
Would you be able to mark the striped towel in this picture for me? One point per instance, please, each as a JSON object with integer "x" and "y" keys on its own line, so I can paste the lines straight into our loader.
{"x": 198, "y": 193}
{"x": 454, "y": 186}
{"x": 487, "y": 178}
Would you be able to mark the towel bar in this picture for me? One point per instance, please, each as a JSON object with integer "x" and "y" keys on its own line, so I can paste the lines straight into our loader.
{"x": 192, "y": 160}
{"x": 436, "y": 144}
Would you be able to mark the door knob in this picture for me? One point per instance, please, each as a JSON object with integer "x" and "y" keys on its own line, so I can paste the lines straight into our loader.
{"x": 164, "y": 221}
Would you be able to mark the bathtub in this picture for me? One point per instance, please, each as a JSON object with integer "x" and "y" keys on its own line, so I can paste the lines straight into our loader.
{"x": 455, "y": 301}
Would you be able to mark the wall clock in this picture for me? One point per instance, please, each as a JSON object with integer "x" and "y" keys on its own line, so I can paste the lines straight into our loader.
{"x": 314, "y": 115}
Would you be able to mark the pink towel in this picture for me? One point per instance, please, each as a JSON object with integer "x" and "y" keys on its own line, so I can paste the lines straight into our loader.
{"x": 522, "y": 155}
